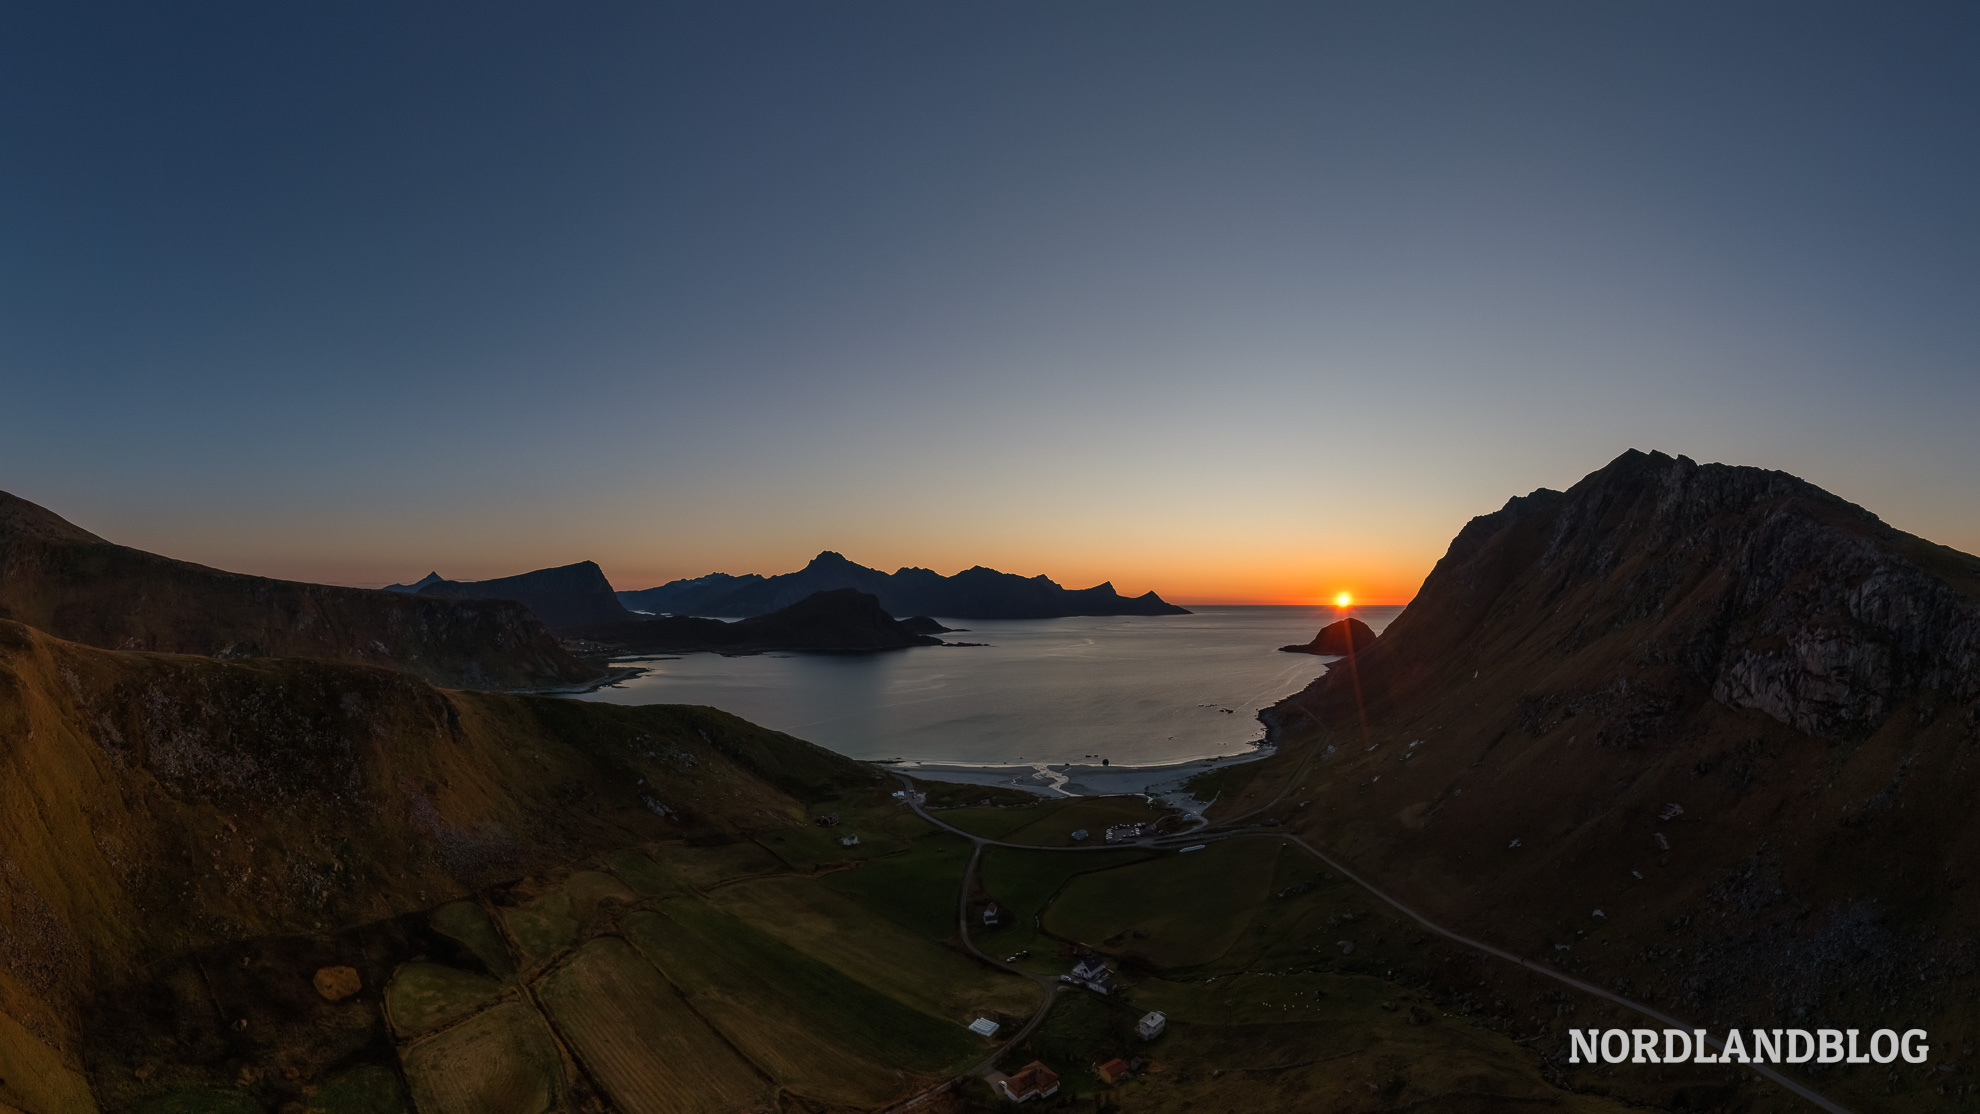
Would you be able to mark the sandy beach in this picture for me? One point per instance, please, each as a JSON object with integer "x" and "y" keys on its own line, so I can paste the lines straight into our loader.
{"x": 1076, "y": 779}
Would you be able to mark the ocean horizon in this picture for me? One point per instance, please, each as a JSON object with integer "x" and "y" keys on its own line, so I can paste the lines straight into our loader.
{"x": 1132, "y": 690}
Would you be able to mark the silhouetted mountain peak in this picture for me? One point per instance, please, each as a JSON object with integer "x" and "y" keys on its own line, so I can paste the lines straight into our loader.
{"x": 574, "y": 595}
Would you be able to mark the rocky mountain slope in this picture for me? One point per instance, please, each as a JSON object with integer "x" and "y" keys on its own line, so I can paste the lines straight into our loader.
{"x": 155, "y": 804}
{"x": 1703, "y": 734}
{"x": 564, "y": 597}
{"x": 839, "y": 621}
{"x": 64, "y": 580}
{"x": 976, "y": 593}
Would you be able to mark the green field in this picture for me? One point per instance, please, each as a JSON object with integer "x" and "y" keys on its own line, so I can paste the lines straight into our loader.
{"x": 425, "y": 996}
{"x": 1022, "y": 883}
{"x": 367, "y": 1090}
{"x": 994, "y": 822}
{"x": 1180, "y": 910}
{"x": 917, "y": 889}
{"x": 543, "y": 927}
{"x": 467, "y": 922}
{"x": 500, "y": 1061}
{"x": 644, "y": 876}
{"x": 643, "y": 1045}
{"x": 705, "y": 867}
{"x": 901, "y": 964}
{"x": 810, "y": 848}
{"x": 1094, "y": 814}
{"x": 810, "y": 1027}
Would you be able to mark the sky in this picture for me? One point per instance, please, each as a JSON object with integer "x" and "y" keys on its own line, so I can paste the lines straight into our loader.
{"x": 1239, "y": 302}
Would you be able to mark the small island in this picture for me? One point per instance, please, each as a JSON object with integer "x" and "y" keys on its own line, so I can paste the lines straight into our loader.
{"x": 1348, "y": 636}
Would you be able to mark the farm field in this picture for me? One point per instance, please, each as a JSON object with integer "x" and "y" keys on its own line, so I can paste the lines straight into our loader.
{"x": 425, "y": 996}
{"x": 1051, "y": 822}
{"x": 1094, "y": 814}
{"x": 468, "y": 923}
{"x": 649, "y": 1051}
{"x": 1175, "y": 911}
{"x": 901, "y": 964}
{"x": 500, "y": 1061}
{"x": 1022, "y": 883}
{"x": 917, "y": 889}
{"x": 710, "y": 979}
{"x": 809, "y": 1027}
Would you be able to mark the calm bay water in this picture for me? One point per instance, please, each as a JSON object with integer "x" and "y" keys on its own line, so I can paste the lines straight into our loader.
{"x": 1137, "y": 691}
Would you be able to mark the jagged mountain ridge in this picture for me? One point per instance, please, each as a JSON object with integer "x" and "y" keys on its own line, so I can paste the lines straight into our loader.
{"x": 67, "y": 581}
{"x": 1733, "y": 712}
{"x": 974, "y": 593}
{"x": 568, "y": 596}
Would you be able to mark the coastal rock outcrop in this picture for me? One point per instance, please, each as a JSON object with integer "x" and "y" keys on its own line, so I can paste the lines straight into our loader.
{"x": 1336, "y": 639}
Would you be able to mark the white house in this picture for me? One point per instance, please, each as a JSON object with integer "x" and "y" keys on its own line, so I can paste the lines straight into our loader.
{"x": 1152, "y": 1025}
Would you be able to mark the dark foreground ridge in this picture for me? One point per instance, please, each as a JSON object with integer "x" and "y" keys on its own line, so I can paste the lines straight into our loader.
{"x": 839, "y": 621}
{"x": 64, "y": 580}
{"x": 1704, "y": 735}
{"x": 976, "y": 593}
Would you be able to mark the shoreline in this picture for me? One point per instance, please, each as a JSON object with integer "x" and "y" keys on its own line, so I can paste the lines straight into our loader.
{"x": 1082, "y": 779}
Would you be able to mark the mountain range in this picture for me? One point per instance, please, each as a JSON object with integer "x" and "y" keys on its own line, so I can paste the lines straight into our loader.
{"x": 974, "y": 593}
{"x": 844, "y": 620}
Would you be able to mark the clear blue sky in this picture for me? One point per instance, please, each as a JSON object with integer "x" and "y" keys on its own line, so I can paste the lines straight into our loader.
{"x": 1233, "y": 301}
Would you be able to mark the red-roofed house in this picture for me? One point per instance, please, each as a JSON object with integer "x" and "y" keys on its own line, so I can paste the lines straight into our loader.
{"x": 1113, "y": 1071}
{"x": 1032, "y": 1081}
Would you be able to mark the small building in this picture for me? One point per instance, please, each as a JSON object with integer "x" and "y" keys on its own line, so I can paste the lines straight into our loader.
{"x": 849, "y": 841}
{"x": 992, "y": 914}
{"x": 1151, "y": 1026}
{"x": 1091, "y": 972}
{"x": 1032, "y": 1081}
{"x": 1113, "y": 1071}
{"x": 984, "y": 1027}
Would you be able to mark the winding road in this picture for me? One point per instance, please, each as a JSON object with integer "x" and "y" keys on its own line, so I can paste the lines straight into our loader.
{"x": 1199, "y": 834}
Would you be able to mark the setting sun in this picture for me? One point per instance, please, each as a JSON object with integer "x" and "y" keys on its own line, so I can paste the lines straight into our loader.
{"x": 1343, "y": 600}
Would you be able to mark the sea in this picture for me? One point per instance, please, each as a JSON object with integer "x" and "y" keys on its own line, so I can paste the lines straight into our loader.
{"x": 1133, "y": 690}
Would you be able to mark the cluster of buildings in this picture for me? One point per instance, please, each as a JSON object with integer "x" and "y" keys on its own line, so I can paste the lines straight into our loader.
{"x": 1036, "y": 1081}
{"x": 1121, "y": 833}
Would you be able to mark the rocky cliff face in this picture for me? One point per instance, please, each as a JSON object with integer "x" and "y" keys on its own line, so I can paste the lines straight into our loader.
{"x": 1776, "y": 595}
{"x": 1735, "y": 713}
{"x": 70, "y": 583}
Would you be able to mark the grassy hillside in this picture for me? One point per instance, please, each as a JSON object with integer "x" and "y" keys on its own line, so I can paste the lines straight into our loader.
{"x": 153, "y": 805}
{"x": 64, "y": 580}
